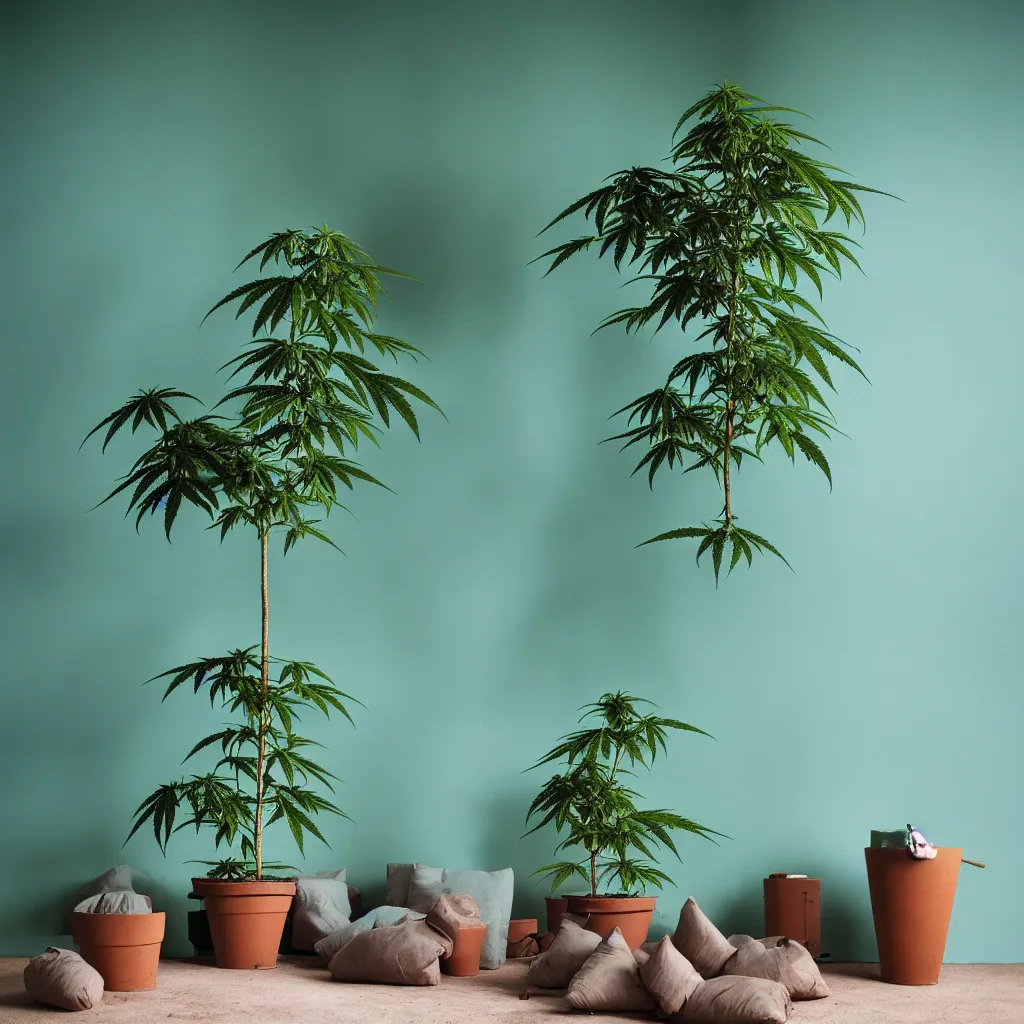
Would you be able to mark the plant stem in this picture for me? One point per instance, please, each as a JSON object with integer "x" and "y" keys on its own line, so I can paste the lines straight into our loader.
{"x": 730, "y": 405}
{"x": 265, "y": 683}
{"x": 593, "y": 873}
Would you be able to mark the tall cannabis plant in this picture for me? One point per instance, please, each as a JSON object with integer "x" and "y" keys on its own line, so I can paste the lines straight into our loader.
{"x": 726, "y": 237}
{"x": 272, "y": 462}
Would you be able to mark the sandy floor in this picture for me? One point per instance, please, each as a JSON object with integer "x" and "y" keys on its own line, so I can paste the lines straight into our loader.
{"x": 301, "y": 992}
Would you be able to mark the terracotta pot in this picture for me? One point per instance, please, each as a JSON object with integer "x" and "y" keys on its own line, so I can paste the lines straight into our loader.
{"x": 792, "y": 907}
{"x": 465, "y": 959}
{"x": 246, "y": 920}
{"x": 911, "y": 901}
{"x": 630, "y": 914}
{"x": 556, "y": 908}
{"x": 522, "y": 938}
{"x": 124, "y": 948}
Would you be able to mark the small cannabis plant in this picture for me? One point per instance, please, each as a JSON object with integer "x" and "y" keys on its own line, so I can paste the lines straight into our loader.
{"x": 725, "y": 237}
{"x": 593, "y": 806}
{"x": 273, "y": 462}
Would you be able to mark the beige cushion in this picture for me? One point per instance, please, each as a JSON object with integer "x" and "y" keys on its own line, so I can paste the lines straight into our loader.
{"x": 788, "y": 963}
{"x": 641, "y": 956}
{"x": 669, "y": 976}
{"x": 735, "y": 1000}
{"x": 447, "y": 914}
{"x": 609, "y": 980}
{"x": 568, "y": 952}
{"x": 63, "y": 979}
{"x": 399, "y": 954}
{"x": 700, "y": 941}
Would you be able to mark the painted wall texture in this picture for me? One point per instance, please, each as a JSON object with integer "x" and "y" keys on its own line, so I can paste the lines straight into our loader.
{"x": 147, "y": 147}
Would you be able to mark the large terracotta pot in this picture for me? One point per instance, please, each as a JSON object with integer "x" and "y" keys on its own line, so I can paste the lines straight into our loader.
{"x": 124, "y": 948}
{"x": 630, "y": 914}
{"x": 246, "y": 920}
{"x": 911, "y": 901}
{"x": 555, "y": 909}
{"x": 466, "y": 949}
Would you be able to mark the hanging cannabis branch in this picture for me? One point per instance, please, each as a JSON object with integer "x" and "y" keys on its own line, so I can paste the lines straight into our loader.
{"x": 308, "y": 394}
{"x": 726, "y": 237}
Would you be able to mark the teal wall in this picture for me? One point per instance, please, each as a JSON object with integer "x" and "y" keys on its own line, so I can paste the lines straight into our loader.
{"x": 149, "y": 146}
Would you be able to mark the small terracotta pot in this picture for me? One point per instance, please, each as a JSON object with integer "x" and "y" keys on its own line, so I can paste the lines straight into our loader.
{"x": 630, "y": 914}
{"x": 246, "y": 920}
{"x": 124, "y": 948}
{"x": 465, "y": 959}
{"x": 911, "y": 901}
{"x": 522, "y": 938}
{"x": 556, "y": 906}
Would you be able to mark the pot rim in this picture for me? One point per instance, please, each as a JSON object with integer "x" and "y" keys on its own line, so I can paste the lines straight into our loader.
{"x": 615, "y": 899}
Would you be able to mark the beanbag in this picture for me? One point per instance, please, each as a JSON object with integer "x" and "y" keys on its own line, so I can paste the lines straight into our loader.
{"x": 700, "y": 941}
{"x": 569, "y": 951}
{"x": 788, "y": 963}
{"x": 609, "y": 980}
{"x": 734, "y": 1000}
{"x": 321, "y": 906}
{"x": 669, "y": 976}
{"x": 116, "y": 901}
{"x": 63, "y": 979}
{"x": 448, "y": 914}
{"x": 492, "y": 891}
{"x": 398, "y": 954}
{"x": 331, "y": 944}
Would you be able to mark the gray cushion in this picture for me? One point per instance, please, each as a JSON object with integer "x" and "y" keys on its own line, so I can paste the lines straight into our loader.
{"x": 115, "y": 879}
{"x": 569, "y": 951}
{"x": 492, "y": 891}
{"x": 330, "y": 944}
{"x": 114, "y": 902}
{"x": 63, "y": 979}
{"x": 321, "y": 907}
{"x": 609, "y": 981}
{"x": 425, "y": 885}
{"x": 700, "y": 941}
{"x": 399, "y": 876}
{"x": 733, "y": 1000}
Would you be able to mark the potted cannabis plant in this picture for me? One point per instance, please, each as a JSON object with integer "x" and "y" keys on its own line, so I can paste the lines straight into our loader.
{"x": 589, "y": 802}
{"x": 726, "y": 236}
{"x": 272, "y": 461}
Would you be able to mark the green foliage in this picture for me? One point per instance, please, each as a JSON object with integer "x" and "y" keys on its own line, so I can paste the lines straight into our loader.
{"x": 597, "y": 812}
{"x": 305, "y": 394}
{"x": 726, "y": 237}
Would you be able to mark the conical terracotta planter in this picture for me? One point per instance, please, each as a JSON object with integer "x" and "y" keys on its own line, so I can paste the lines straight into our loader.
{"x": 911, "y": 901}
{"x": 630, "y": 914}
{"x": 246, "y": 920}
{"x": 465, "y": 959}
{"x": 555, "y": 909}
{"x": 124, "y": 948}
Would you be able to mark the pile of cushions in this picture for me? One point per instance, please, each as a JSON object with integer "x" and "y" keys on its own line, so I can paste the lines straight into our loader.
{"x": 696, "y": 974}
{"x": 396, "y": 946}
{"x": 417, "y": 886}
{"x": 322, "y": 911}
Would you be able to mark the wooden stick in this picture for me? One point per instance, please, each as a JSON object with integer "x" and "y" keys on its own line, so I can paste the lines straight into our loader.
{"x": 973, "y": 863}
